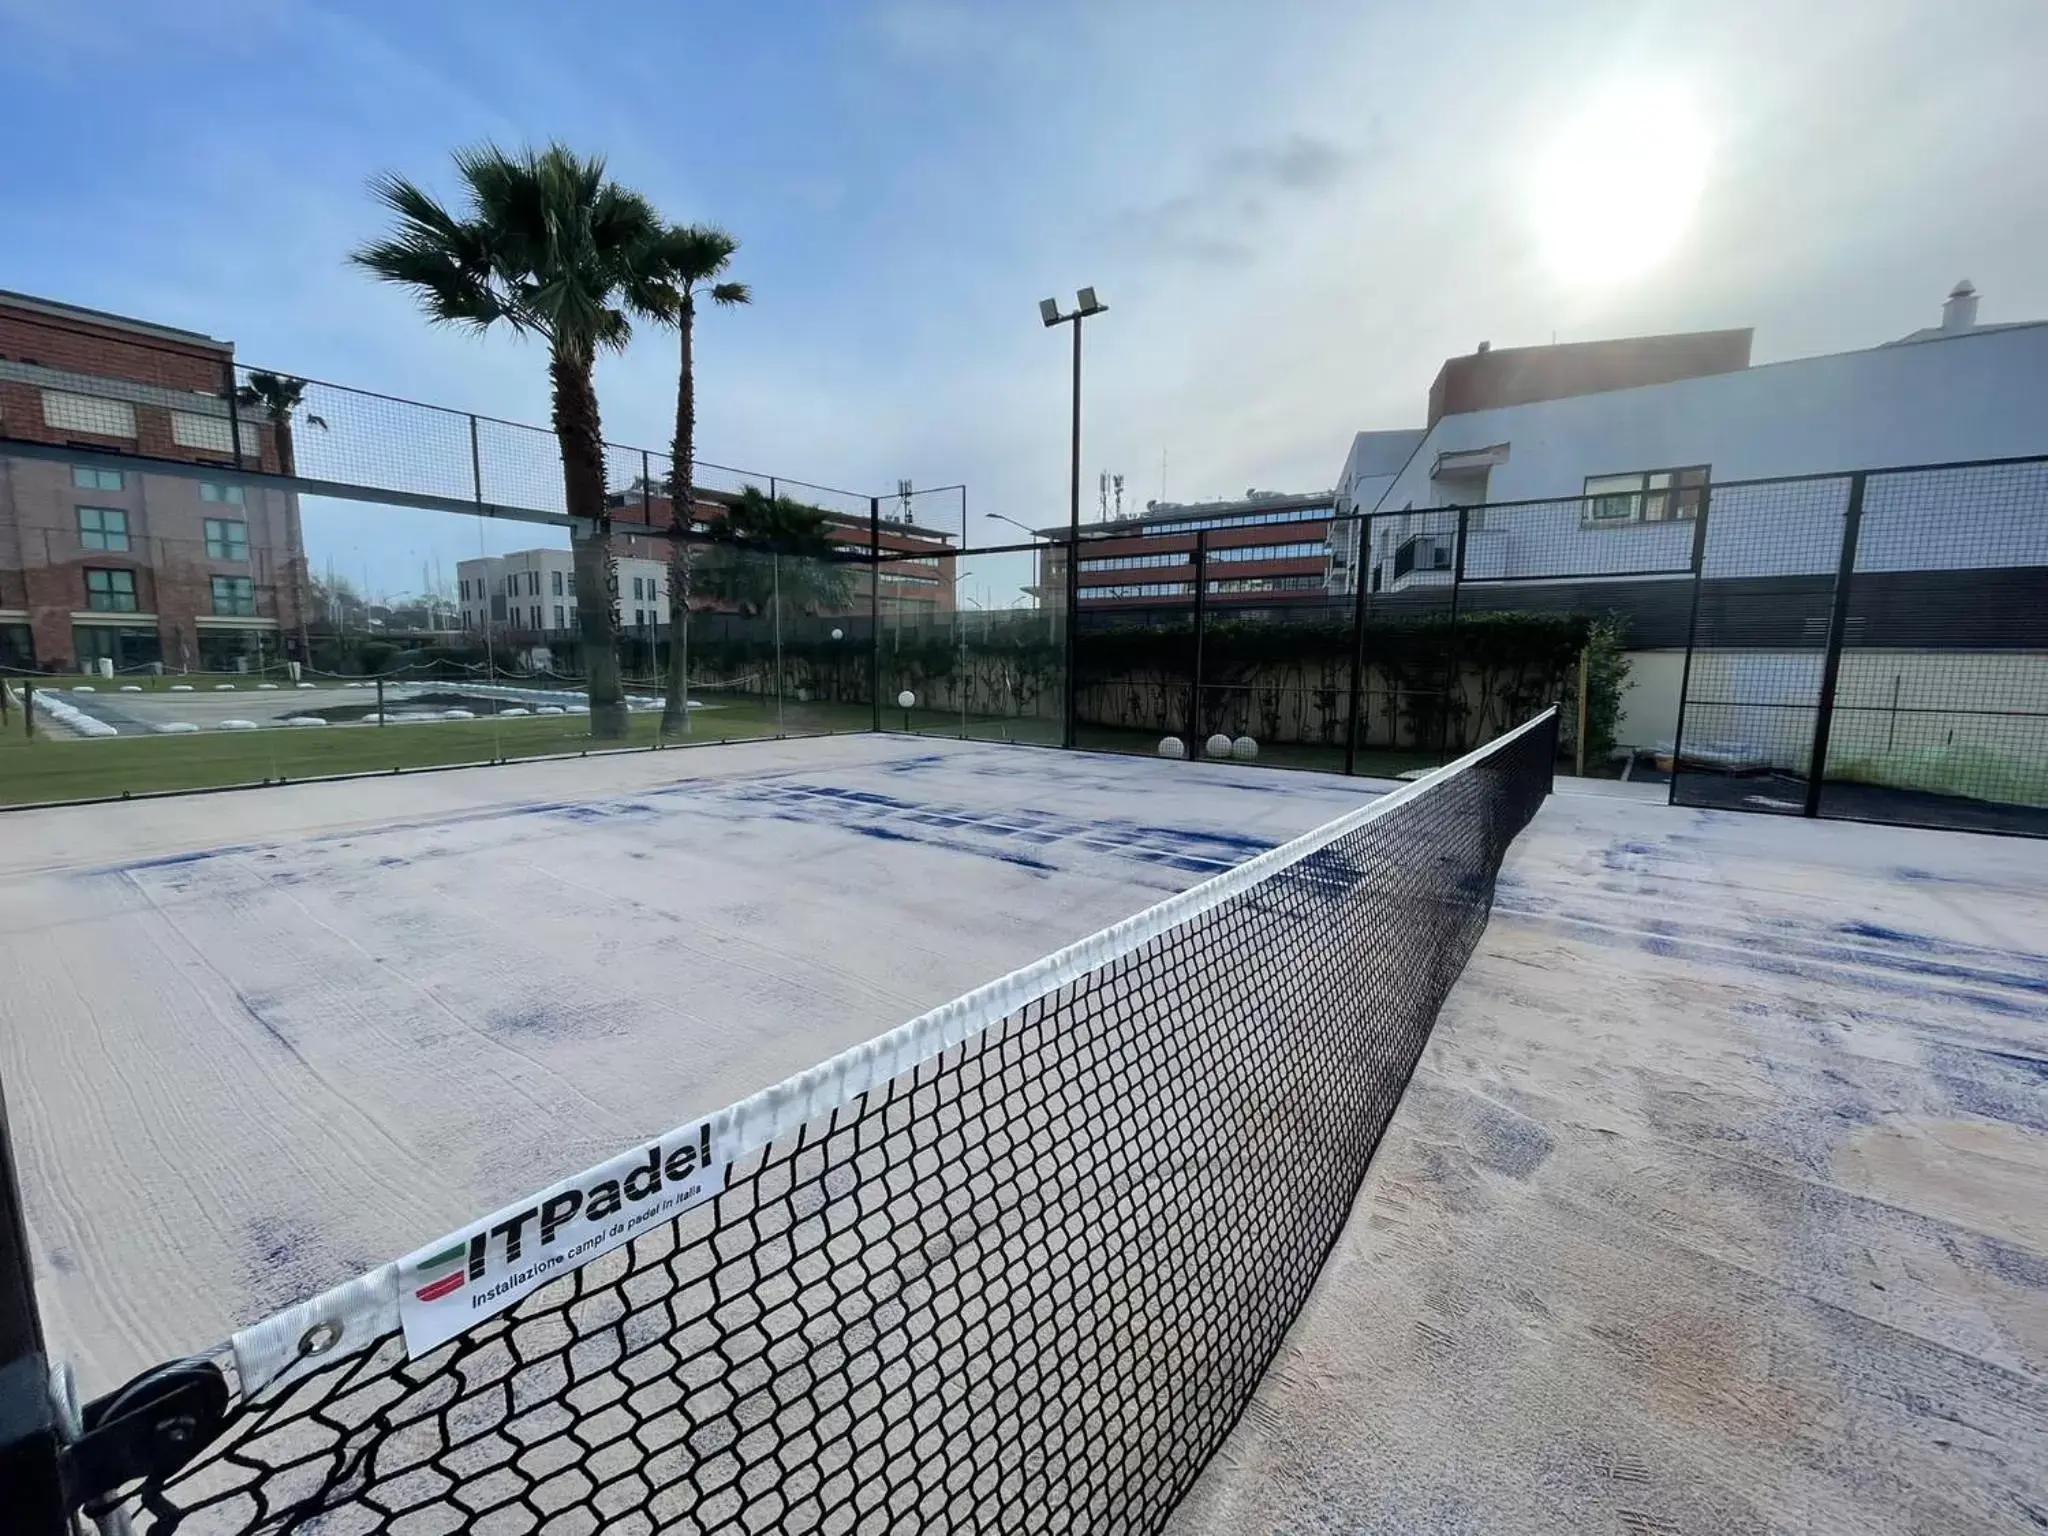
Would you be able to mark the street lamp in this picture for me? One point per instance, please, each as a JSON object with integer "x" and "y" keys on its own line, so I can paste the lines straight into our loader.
{"x": 998, "y": 517}
{"x": 1086, "y": 304}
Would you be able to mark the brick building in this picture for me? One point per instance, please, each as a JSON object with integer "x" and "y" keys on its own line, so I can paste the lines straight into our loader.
{"x": 114, "y": 553}
{"x": 1265, "y": 551}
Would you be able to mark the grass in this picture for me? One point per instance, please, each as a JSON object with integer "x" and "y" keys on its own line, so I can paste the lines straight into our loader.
{"x": 54, "y": 767}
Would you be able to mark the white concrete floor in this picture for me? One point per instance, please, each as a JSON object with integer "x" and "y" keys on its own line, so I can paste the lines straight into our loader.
{"x": 1718, "y": 1204}
{"x": 255, "y": 1043}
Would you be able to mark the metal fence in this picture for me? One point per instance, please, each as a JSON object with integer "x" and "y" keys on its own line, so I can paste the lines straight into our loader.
{"x": 1874, "y": 647}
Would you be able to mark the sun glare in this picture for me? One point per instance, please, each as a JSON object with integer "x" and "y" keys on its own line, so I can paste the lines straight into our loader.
{"x": 1617, "y": 189}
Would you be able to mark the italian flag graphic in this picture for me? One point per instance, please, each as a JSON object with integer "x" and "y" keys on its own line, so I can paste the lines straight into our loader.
{"x": 448, "y": 1284}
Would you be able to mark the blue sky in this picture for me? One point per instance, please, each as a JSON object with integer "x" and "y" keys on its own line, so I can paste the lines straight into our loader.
{"x": 1296, "y": 209}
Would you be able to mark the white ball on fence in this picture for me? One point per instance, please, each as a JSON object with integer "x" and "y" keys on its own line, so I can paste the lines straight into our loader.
{"x": 131, "y": 687}
{"x": 235, "y": 725}
{"x": 223, "y": 687}
{"x": 304, "y": 720}
{"x": 838, "y": 634}
{"x": 906, "y": 700}
{"x": 1218, "y": 745}
{"x": 462, "y": 714}
{"x": 1169, "y": 746}
{"x": 85, "y": 688}
{"x": 175, "y": 728}
{"x": 1244, "y": 749}
{"x": 181, "y": 687}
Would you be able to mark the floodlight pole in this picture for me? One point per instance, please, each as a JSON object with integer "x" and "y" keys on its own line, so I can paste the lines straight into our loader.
{"x": 1048, "y": 310}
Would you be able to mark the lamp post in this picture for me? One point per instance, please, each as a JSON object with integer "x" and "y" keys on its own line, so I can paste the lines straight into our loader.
{"x": 1086, "y": 304}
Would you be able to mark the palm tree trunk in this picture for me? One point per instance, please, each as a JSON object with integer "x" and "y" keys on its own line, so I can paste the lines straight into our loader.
{"x": 675, "y": 703}
{"x": 578, "y": 432}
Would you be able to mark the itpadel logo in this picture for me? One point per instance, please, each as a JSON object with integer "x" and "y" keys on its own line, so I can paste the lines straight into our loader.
{"x": 475, "y": 1273}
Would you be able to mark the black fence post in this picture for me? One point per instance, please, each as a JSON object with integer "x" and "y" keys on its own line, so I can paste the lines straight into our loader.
{"x": 476, "y": 463}
{"x": 28, "y": 709}
{"x": 1831, "y": 669}
{"x": 227, "y": 367}
{"x": 1358, "y": 575}
{"x": 1692, "y": 629}
{"x": 875, "y": 605}
{"x": 31, "y": 1485}
{"x": 380, "y": 699}
{"x": 1454, "y": 685}
{"x": 1070, "y": 729}
{"x": 1195, "y": 737}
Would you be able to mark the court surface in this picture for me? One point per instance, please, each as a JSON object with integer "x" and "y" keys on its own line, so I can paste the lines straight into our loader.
{"x": 257, "y": 1043}
{"x": 1716, "y": 1205}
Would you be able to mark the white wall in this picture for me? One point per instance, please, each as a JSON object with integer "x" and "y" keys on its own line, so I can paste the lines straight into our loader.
{"x": 1974, "y": 396}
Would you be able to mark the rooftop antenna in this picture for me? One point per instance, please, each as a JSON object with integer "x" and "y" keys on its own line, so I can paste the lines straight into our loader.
{"x": 1118, "y": 480}
{"x": 903, "y": 494}
{"x": 1102, "y": 496}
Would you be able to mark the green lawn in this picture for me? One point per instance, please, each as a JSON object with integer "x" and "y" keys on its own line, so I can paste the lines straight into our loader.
{"x": 55, "y": 767}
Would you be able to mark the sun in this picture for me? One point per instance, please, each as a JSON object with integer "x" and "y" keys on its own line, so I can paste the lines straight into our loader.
{"x": 1617, "y": 190}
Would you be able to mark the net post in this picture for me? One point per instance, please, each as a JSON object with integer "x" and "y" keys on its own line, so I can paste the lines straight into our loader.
{"x": 1692, "y": 627}
{"x": 1831, "y": 668}
{"x": 1357, "y": 643}
{"x": 31, "y": 1482}
{"x": 875, "y": 607}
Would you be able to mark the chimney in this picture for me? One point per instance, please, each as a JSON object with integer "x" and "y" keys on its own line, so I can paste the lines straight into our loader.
{"x": 1484, "y": 346}
{"x": 1960, "y": 312}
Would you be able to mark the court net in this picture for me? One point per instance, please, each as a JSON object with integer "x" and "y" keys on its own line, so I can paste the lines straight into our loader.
{"x": 1016, "y": 1266}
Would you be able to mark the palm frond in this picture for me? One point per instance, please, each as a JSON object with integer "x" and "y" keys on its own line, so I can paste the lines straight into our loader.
{"x": 732, "y": 293}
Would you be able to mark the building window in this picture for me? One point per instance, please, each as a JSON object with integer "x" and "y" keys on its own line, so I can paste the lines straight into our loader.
{"x": 88, "y": 413}
{"x": 103, "y": 528}
{"x": 234, "y": 597}
{"x": 226, "y": 495}
{"x": 227, "y": 538}
{"x": 555, "y": 583}
{"x": 1651, "y": 496}
{"x": 559, "y": 624}
{"x": 464, "y": 584}
{"x": 213, "y": 434}
{"x": 533, "y": 589}
{"x": 536, "y": 615}
{"x": 97, "y": 479}
{"x": 110, "y": 591}
{"x": 127, "y": 647}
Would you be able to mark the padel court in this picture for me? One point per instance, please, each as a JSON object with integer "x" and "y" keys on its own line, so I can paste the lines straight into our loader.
{"x": 1714, "y": 1203}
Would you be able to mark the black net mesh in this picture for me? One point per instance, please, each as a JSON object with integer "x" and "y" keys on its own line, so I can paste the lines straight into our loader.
{"x": 1027, "y": 1286}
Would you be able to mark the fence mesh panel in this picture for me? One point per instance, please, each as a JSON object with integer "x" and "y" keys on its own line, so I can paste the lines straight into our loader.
{"x": 1027, "y": 1285}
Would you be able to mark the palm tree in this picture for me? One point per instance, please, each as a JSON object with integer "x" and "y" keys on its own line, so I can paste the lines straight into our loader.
{"x": 549, "y": 246}
{"x": 742, "y": 566}
{"x": 688, "y": 257}
{"x": 280, "y": 397}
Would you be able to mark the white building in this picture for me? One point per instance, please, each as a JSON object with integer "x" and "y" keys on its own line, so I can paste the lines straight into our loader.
{"x": 533, "y": 592}
{"x": 1620, "y": 461}
{"x": 1583, "y": 480}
